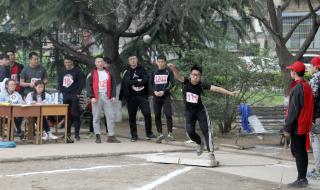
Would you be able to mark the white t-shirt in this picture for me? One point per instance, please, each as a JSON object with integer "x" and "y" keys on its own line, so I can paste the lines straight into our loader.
{"x": 103, "y": 79}
{"x": 48, "y": 99}
{"x": 14, "y": 98}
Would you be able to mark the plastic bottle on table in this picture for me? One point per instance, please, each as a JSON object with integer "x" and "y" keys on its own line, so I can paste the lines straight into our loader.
{"x": 60, "y": 98}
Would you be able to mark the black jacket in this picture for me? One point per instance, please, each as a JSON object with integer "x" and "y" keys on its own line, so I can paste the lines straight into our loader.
{"x": 134, "y": 78}
{"x": 4, "y": 73}
{"x": 74, "y": 74}
{"x": 300, "y": 111}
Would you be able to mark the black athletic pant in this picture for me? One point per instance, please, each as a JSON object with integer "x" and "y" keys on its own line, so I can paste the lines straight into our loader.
{"x": 142, "y": 102}
{"x": 192, "y": 116}
{"x": 74, "y": 113}
{"x": 45, "y": 124}
{"x": 298, "y": 150}
{"x": 158, "y": 103}
{"x": 18, "y": 122}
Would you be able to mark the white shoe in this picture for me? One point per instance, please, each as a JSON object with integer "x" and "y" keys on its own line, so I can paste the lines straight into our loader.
{"x": 189, "y": 142}
{"x": 44, "y": 135}
{"x": 212, "y": 158}
{"x": 51, "y": 136}
{"x": 200, "y": 149}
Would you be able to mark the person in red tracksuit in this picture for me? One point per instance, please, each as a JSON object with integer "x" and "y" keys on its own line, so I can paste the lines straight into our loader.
{"x": 298, "y": 121}
{"x": 15, "y": 69}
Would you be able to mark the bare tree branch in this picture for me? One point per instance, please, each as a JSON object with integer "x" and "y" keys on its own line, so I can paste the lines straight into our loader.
{"x": 312, "y": 33}
{"x": 285, "y": 5}
{"x": 257, "y": 13}
{"x": 311, "y": 9}
{"x": 147, "y": 26}
{"x": 66, "y": 50}
{"x": 273, "y": 16}
{"x": 274, "y": 35}
{"x": 94, "y": 25}
{"x": 139, "y": 31}
{"x": 294, "y": 27}
{"x": 127, "y": 21}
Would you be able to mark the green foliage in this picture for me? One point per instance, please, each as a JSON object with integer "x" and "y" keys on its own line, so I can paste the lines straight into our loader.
{"x": 177, "y": 23}
{"x": 9, "y": 41}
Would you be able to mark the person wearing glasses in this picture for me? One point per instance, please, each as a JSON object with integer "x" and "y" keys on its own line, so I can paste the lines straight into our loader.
{"x": 195, "y": 111}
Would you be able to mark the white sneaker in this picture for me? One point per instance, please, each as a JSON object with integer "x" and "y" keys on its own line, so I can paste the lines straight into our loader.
{"x": 44, "y": 135}
{"x": 200, "y": 149}
{"x": 51, "y": 136}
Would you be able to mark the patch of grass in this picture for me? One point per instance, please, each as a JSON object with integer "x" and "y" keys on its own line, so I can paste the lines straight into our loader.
{"x": 267, "y": 99}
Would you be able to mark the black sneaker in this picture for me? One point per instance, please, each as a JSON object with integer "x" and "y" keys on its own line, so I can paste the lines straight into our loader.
{"x": 69, "y": 140}
{"x": 299, "y": 183}
{"x": 152, "y": 136}
{"x": 98, "y": 139}
{"x": 134, "y": 139}
{"x": 77, "y": 137}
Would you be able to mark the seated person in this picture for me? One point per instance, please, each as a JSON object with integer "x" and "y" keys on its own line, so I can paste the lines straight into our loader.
{"x": 39, "y": 96}
{"x": 9, "y": 95}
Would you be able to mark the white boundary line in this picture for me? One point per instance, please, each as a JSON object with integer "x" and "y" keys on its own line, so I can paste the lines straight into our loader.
{"x": 70, "y": 170}
{"x": 163, "y": 179}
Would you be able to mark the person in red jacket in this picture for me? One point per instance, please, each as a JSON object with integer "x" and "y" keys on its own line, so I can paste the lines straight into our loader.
{"x": 101, "y": 89}
{"x": 298, "y": 121}
{"x": 15, "y": 69}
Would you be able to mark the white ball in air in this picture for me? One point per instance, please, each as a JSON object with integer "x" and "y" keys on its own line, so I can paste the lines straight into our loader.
{"x": 147, "y": 38}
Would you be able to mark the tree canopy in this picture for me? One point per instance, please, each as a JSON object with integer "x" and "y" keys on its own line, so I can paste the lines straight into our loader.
{"x": 176, "y": 22}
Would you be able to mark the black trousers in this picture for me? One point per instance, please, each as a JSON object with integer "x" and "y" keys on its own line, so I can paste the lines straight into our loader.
{"x": 142, "y": 102}
{"x": 298, "y": 150}
{"x": 18, "y": 122}
{"x": 192, "y": 116}
{"x": 73, "y": 114}
{"x": 45, "y": 124}
{"x": 158, "y": 103}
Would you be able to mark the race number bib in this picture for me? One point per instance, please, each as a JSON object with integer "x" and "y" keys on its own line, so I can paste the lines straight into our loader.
{"x": 13, "y": 99}
{"x": 192, "y": 98}
{"x": 160, "y": 79}
{"x": 33, "y": 80}
{"x": 67, "y": 81}
{"x": 103, "y": 84}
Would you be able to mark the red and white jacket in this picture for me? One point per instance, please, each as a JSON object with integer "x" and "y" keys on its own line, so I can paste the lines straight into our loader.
{"x": 92, "y": 84}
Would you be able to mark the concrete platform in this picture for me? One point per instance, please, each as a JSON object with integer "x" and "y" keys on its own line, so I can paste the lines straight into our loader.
{"x": 183, "y": 159}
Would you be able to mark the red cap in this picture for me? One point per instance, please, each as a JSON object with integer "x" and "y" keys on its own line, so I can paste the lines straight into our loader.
{"x": 316, "y": 61}
{"x": 297, "y": 66}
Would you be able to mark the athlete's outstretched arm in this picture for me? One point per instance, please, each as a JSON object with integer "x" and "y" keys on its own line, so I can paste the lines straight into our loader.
{"x": 176, "y": 72}
{"x": 222, "y": 90}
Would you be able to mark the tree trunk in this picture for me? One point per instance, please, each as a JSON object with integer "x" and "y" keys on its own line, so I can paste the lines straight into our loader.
{"x": 111, "y": 49}
{"x": 227, "y": 125}
{"x": 285, "y": 59}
